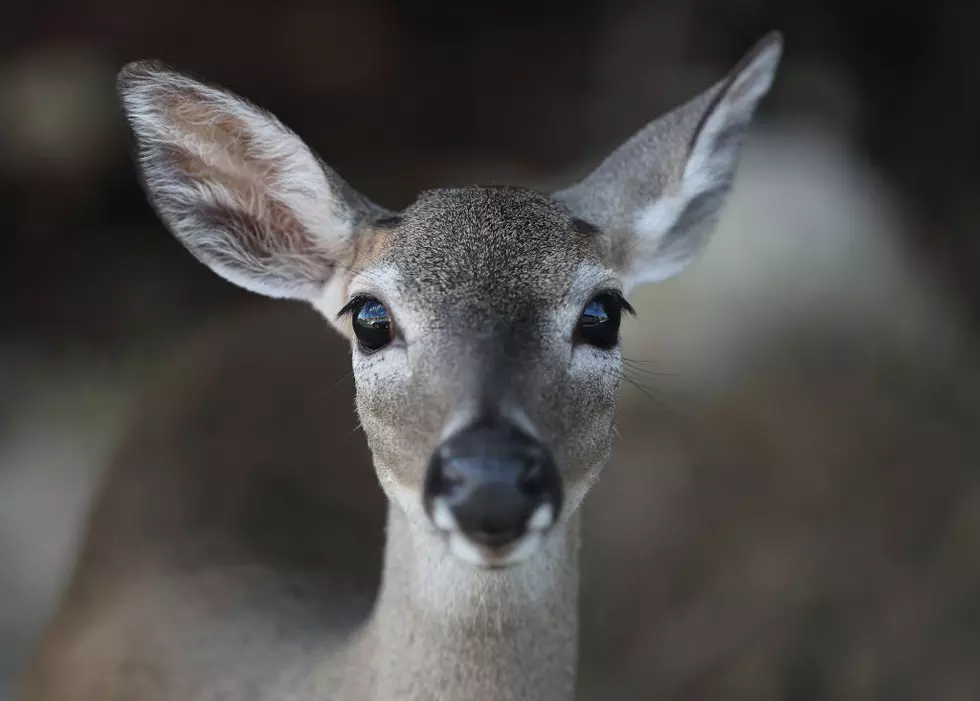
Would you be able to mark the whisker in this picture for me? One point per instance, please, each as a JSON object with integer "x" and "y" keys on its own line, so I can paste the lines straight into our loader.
{"x": 640, "y": 372}
{"x": 637, "y": 360}
{"x": 337, "y": 384}
{"x": 648, "y": 392}
{"x": 642, "y": 381}
{"x": 637, "y": 365}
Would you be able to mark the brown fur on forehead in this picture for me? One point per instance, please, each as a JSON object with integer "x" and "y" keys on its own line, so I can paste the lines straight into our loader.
{"x": 460, "y": 240}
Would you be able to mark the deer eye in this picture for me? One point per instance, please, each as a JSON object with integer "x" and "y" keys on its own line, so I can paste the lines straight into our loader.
{"x": 371, "y": 322}
{"x": 599, "y": 324}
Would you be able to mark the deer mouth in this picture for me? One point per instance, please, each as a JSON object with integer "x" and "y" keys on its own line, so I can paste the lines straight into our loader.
{"x": 489, "y": 547}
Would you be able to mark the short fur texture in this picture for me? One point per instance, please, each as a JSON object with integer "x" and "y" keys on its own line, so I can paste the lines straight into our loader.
{"x": 485, "y": 286}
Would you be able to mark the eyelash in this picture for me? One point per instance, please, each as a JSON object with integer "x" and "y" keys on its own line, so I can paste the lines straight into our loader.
{"x": 354, "y": 303}
{"x": 619, "y": 299}
{"x": 602, "y": 330}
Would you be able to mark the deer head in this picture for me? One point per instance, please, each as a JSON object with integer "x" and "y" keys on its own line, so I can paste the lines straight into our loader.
{"x": 484, "y": 321}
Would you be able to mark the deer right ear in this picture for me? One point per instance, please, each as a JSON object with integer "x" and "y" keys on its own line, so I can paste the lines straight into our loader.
{"x": 658, "y": 195}
{"x": 241, "y": 191}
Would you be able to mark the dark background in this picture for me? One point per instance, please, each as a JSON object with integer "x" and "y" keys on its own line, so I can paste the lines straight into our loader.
{"x": 395, "y": 93}
{"x": 408, "y": 94}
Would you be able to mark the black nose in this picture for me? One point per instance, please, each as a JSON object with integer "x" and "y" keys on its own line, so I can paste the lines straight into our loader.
{"x": 493, "y": 477}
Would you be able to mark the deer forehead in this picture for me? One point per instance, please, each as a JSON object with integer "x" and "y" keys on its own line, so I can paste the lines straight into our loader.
{"x": 489, "y": 251}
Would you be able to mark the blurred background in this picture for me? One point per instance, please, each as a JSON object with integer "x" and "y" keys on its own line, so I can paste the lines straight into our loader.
{"x": 794, "y": 509}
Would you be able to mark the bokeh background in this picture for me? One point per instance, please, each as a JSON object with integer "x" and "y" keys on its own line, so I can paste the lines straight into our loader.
{"x": 794, "y": 509}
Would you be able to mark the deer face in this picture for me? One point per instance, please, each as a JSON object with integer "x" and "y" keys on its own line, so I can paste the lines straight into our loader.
{"x": 486, "y": 328}
{"x": 484, "y": 321}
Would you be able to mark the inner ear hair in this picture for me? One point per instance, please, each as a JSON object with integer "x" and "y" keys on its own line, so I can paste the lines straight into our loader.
{"x": 237, "y": 187}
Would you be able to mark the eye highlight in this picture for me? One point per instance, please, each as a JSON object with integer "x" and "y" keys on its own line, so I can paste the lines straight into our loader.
{"x": 371, "y": 322}
{"x": 599, "y": 323}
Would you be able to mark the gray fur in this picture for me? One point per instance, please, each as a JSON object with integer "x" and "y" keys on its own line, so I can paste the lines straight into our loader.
{"x": 485, "y": 268}
{"x": 689, "y": 156}
{"x": 485, "y": 286}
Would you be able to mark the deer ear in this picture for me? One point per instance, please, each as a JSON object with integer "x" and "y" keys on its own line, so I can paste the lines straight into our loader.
{"x": 236, "y": 187}
{"x": 657, "y": 196}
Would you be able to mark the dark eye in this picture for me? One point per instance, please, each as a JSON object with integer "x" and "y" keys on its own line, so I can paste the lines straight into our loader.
{"x": 371, "y": 322}
{"x": 599, "y": 324}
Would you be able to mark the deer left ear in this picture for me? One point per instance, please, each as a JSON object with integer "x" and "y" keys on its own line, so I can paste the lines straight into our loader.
{"x": 241, "y": 191}
{"x": 658, "y": 196}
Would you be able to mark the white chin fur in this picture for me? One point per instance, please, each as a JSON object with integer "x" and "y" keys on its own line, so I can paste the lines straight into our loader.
{"x": 442, "y": 517}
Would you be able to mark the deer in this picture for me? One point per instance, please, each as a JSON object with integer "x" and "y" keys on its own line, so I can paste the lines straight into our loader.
{"x": 482, "y": 326}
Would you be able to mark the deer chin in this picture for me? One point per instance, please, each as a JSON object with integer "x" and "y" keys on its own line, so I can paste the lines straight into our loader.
{"x": 493, "y": 557}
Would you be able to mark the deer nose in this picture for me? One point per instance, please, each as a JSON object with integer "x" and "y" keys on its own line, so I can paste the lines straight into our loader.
{"x": 495, "y": 481}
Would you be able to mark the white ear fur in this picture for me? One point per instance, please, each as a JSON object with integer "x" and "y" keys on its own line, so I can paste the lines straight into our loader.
{"x": 241, "y": 191}
{"x": 659, "y": 194}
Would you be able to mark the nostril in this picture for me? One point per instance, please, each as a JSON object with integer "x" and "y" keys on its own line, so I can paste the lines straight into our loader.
{"x": 532, "y": 480}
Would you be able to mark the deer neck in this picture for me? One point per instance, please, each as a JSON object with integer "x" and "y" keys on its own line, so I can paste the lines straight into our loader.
{"x": 443, "y": 629}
